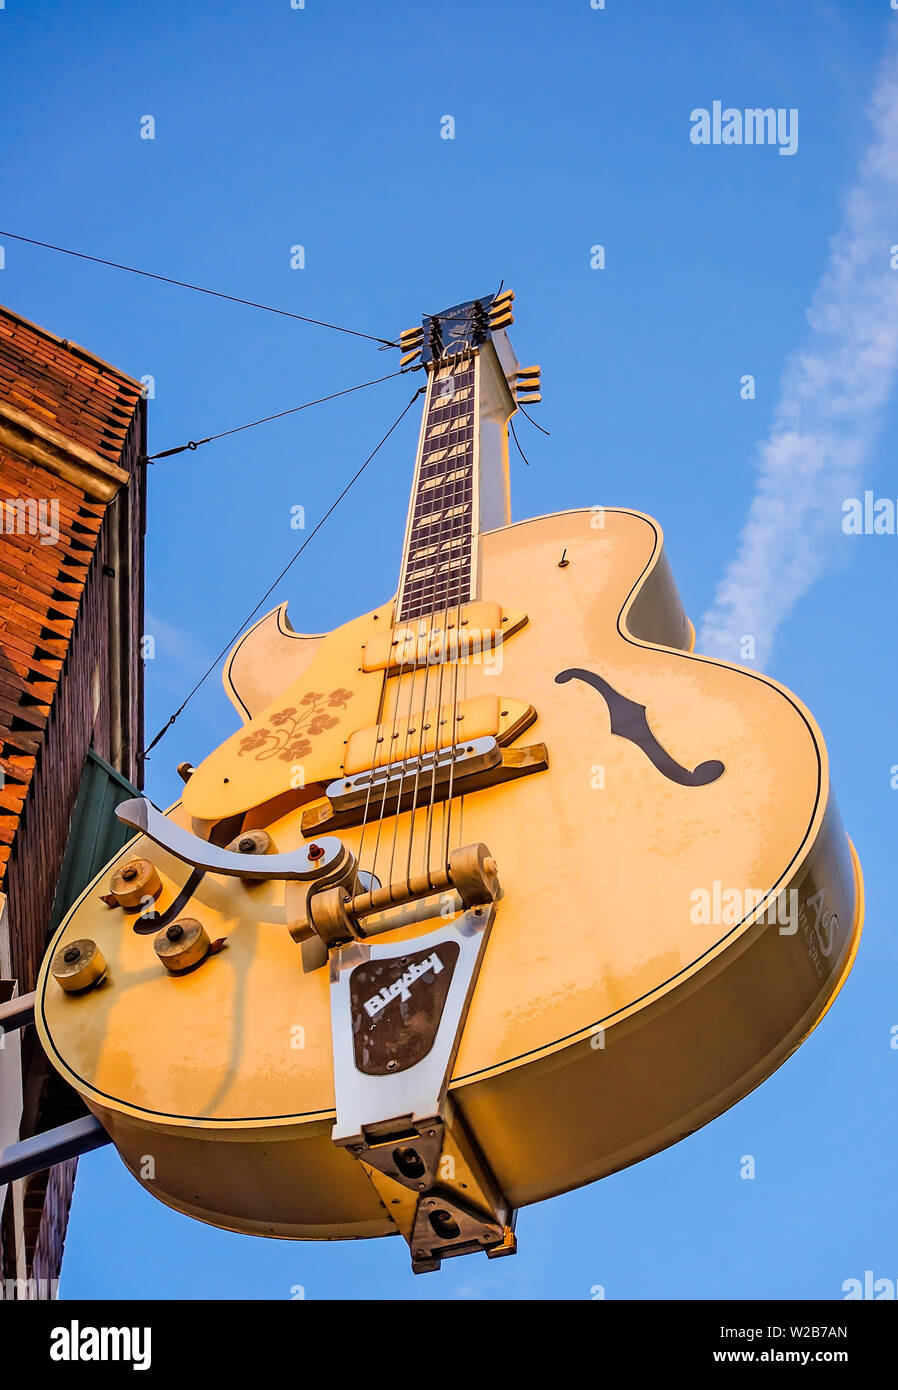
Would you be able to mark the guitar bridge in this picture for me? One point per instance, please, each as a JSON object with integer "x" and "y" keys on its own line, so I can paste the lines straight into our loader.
{"x": 395, "y": 787}
{"x": 462, "y": 760}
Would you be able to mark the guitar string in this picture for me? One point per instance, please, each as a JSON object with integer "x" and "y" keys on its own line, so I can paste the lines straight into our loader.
{"x": 453, "y": 754}
{"x": 440, "y": 642}
{"x": 425, "y": 621}
{"x": 454, "y": 716}
{"x": 445, "y": 527}
{"x": 378, "y": 739}
{"x": 458, "y": 490}
{"x": 380, "y": 736}
{"x": 450, "y": 503}
{"x": 381, "y": 727}
{"x": 402, "y": 665}
{"x": 470, "y": 464}
{"x": 458, "y": 409}
{"x": 472, "y": 588}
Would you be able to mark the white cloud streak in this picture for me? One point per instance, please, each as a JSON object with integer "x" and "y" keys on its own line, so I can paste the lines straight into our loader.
{"x": 832, "y": 396}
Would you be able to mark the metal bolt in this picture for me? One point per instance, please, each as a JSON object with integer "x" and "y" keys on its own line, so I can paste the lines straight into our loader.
{"x": 72, "y": 953}
{"x": 316, "y": 852}
{"x": 247, "y": 845}
{"x": 129, "y": 872}
{"x": 391, "y": 1066}
{"x": 175, "y": 932}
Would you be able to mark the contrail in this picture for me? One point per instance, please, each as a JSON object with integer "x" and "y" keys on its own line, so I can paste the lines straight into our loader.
{"x": 829, "y": 412}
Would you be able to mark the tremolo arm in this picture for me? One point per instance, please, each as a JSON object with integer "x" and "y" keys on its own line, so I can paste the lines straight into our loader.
{"x": 327, "y": 895}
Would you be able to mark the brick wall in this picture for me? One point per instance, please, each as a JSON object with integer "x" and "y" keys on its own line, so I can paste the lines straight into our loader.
{"x": 71, "y": 619}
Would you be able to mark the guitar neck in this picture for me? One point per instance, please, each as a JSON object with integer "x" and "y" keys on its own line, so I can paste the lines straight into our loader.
{"x": 461, "y": 484}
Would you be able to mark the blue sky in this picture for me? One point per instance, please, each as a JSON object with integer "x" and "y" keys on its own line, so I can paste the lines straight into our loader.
{"x": 321, "y": 127}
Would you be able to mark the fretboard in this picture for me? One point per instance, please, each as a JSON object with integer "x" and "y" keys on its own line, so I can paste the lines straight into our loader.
{"x": 438, "y": 565}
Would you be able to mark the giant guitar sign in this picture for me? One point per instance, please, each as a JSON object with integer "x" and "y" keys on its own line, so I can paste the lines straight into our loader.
{"x": 425, "y": 939}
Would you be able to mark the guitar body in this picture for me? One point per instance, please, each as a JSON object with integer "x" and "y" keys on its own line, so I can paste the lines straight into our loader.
{"x": 665, "y": 936}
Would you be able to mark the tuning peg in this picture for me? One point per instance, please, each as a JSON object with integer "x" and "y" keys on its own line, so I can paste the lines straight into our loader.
{"x": 527, "y": 381}
{"x": 409, "y": 357}
{"x": 500, "y": 310}
{"x": 411, "y": 337}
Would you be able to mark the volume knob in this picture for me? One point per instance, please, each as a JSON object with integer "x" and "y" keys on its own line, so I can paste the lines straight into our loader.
{"x": 78, "y": 965}
{"x": 182, "y": 945}
{"x": 132, "y": 883}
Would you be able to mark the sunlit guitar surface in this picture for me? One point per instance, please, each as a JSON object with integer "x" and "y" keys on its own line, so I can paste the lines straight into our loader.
{"x": 498, "y": 889}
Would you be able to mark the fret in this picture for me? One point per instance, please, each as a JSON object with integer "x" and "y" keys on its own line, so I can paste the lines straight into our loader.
{"x": 450, "y": 519}
{"x": 447, "y": 559}
{"x": 453, "y": 476}
{"x": 457, "y": 513}
{"x": 417, "y": 570}
{"x": 446, "y": 544}
{"x": 453, "y": 518}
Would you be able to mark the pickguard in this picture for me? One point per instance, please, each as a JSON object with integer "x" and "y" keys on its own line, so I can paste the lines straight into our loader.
{"x": 629, "y": 720}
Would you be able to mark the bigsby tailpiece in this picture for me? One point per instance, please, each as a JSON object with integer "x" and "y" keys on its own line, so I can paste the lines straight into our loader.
{"x": 397, "y": 1014}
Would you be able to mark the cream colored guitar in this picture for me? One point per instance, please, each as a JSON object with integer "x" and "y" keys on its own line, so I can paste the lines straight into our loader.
{"x": 498, "y": 888}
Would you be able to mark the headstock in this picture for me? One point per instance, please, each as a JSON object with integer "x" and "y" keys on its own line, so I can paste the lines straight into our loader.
{"x": 457, "y": 330}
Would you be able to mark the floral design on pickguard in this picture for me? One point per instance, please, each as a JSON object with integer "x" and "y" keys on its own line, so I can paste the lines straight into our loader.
{"x": 293, "y": 729}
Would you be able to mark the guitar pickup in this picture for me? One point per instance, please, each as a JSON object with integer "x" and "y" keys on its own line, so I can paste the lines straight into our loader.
{"x": 454, "y": 771}
{"x": 395, "y": 740}
{"x": 472, "y": 634}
